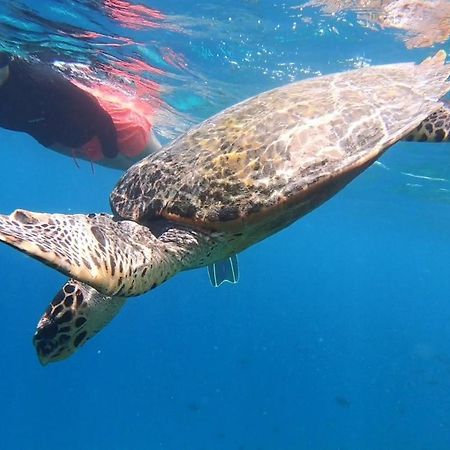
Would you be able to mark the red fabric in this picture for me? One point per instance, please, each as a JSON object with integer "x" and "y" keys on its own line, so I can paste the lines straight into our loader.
{"x": 92, "y": 150}
{"x": 131, "y": 122}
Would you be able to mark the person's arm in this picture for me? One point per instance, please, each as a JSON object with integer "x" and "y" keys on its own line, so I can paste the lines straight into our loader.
{"x": 107, "y": 135}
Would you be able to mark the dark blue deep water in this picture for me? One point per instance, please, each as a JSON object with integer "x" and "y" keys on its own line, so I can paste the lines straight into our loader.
{"x": 338, "y": 333}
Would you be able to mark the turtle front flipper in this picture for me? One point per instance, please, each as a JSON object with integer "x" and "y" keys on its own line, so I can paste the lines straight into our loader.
{"x": 77, "y": 313}
{"x": 435, "y": 128}
{"x": 117, "y": 258}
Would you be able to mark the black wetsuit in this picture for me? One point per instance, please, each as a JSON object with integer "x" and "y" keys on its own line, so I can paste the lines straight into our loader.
{"x": 40, "y": 101}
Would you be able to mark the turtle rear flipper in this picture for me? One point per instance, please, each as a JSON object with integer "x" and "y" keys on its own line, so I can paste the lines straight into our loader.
{"x": 226, "y": 270}
{"x": 435, "y": 128}
{"x": 117, "y": 258}
{"x": 77, "y": 313}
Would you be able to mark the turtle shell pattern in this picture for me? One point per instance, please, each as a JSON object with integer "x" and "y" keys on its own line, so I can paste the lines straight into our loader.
{"x": 269, "y": 151}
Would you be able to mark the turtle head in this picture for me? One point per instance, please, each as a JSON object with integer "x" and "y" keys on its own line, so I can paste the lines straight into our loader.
{"x": 76, "y": 314}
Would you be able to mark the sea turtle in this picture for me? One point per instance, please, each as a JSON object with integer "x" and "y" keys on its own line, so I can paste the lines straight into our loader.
{"x": 226, "y": 184}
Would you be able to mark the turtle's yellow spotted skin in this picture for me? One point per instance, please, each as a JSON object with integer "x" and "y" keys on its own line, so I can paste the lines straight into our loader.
{"x": 273, "y": 150}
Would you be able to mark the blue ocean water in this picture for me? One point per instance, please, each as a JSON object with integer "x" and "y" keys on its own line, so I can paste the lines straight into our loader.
{"x": 337, "y": 335}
